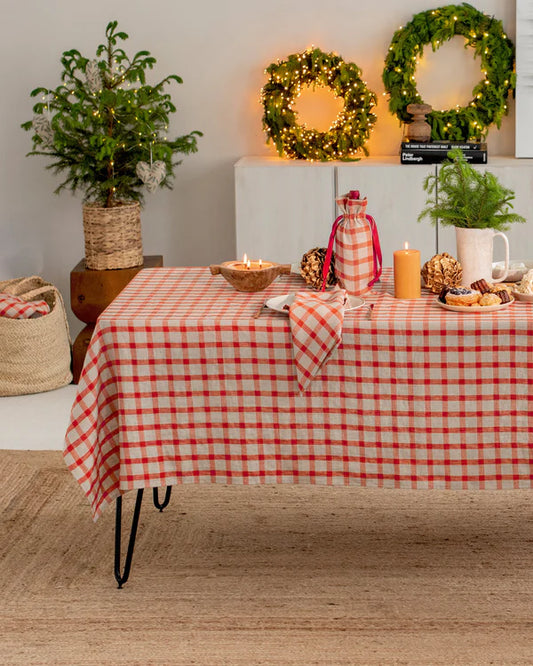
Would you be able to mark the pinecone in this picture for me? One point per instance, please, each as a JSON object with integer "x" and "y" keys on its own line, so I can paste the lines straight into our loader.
{"x": 442, "y": 270}
{"x": 312, "y": 265}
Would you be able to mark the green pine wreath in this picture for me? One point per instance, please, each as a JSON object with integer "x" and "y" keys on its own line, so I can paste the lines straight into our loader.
{"x": 345, "y": 140}
{"x": 486, "y": 36}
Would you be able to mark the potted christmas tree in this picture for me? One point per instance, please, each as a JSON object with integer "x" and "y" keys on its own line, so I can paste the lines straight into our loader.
{"x": 477, "y": 205}
{"x": 105, "y": 130}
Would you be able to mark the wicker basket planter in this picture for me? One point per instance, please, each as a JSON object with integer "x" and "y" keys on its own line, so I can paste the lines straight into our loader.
{"x": 112, "y": 236}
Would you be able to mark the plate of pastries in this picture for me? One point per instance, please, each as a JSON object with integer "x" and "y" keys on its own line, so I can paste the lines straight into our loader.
{"x": 481, "y": 296}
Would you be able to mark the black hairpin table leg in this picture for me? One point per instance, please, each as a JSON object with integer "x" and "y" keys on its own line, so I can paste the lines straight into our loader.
{"x": 121, "y": 578}
{"x": 165, "y": 502}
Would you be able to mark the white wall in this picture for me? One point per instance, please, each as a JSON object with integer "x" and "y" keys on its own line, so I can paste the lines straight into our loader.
{"x": 220, "y": 49}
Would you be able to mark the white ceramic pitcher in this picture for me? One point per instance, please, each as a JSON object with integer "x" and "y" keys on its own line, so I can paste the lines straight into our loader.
{"x": 475, "y": 249}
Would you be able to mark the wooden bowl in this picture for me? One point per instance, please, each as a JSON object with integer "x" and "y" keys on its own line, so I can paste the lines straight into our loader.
{"x": 249, "y": 279}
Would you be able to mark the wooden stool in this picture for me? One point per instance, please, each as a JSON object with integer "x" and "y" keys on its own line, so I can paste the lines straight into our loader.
{"x": 90, "y": 293}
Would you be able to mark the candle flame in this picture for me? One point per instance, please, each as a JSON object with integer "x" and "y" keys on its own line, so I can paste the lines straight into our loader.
{"x": 406, "y": 245}
{"x": 260, "y": 263}
{"x": 244, "y": 258}
{"x": 248, "y": 264}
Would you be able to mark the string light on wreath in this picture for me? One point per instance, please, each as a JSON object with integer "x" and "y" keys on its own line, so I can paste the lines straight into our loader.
{"x": 346, "y": 137}
{"x": 485, "y": 35}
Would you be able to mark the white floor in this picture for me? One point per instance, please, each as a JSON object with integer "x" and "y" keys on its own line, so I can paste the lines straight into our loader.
{"x": 36, "y": 422}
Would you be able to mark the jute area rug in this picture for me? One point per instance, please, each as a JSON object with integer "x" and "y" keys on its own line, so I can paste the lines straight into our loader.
{"x": 264, "y": 575}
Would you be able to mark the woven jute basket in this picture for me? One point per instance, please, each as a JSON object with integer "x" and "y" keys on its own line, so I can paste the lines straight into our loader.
{"x": 112, "y": 236}
{"x": 34, "y": 353}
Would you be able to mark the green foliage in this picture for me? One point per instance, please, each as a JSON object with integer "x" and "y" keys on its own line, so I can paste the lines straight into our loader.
{"x": 467, "y": 197}
{"x": 482, "y": 33}
{"x": 103, "y": 119}
{"x": 349, "y": 132}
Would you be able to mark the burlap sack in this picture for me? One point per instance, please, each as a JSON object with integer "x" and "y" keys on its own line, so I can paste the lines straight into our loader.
{"x": 35, "y": 354}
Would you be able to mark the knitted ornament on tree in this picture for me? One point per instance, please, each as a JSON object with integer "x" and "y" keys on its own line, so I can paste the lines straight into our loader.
{"x": 152, "y": 175}
{"x": 43, "y": 129}
{"x": 312, "y": 265}
{"x": 442, "y": 270}
{"x": 93, "y": 76}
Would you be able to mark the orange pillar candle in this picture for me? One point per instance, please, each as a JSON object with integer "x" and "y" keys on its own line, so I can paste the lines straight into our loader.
{"x": 407, "y": 273}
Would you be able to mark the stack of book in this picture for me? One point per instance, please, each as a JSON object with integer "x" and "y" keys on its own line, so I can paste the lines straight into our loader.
{"x": 437, "y": 151}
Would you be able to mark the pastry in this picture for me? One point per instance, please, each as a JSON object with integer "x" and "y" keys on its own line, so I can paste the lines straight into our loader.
{"x": 481, "y": 285}
{"x": 501, "y": 286}
{"x": 489, "y": 299}
{"x": 526, "y": 283}
{"x": 462, "y": 296}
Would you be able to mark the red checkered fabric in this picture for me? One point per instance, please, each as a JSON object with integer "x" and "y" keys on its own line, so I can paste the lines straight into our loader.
{"x": 316, "y": 328}
{"x": 14, "y": 307}
{"x": 354, "y": 253}
{"x": 182, "y": 384}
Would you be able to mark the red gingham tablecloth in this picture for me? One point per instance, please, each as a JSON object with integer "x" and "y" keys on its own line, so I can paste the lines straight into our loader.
{"x": 182, "y": 385}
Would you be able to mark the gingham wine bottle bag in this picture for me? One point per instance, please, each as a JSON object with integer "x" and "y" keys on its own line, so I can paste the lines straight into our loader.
{"x": 358, "y": 260}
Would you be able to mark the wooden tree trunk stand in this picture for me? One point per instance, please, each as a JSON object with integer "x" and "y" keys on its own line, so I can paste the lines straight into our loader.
{"x": 91, "y": 291}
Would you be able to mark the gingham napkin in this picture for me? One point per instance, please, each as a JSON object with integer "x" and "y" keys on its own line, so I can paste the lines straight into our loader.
{"x": 14, "y": 307}
{"x": 316, "y": 325}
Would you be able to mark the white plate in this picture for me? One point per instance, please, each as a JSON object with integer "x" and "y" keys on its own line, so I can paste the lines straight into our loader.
{"x": 283, "y": 303}
{"x": 528, "y": 298}
{"x": 515, "y": 273}
{"x": 482, "y": 309}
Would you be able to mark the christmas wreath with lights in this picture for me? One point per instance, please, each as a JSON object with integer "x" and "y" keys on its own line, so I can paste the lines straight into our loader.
{"x": 486, "y": 36}
{"x": 347, "y": 135}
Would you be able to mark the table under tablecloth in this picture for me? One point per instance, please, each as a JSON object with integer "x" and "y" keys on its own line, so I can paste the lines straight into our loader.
{"x": 182, "y": 384}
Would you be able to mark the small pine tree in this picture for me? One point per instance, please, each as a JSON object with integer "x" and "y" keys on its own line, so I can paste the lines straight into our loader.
{"x": 103, "y": 120}
{"x": 467, "y": 197}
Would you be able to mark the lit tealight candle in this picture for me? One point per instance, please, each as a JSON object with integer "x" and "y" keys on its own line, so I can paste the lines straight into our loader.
{"x": 407, "y": 273}
{"x": 249, "y": 265}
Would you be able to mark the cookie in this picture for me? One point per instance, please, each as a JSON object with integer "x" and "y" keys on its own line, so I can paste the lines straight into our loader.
{"x": 442, "y": 295}
{"x": 489, "y": 299}
{"x": 481, "y": 285}
{"x": 503, "y": 295}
